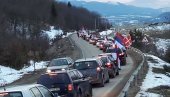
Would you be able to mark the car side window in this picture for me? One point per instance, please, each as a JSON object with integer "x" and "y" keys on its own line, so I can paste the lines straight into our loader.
{"x": 45, "y": 91}
{"x": 77, "y": 74}
{"x": 80, "y": 74}
{"x": 36, "y": 92}
{"x": 73, "y": 76}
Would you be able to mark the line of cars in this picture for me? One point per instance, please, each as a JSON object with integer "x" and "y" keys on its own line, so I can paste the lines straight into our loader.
{"x": 107, "y": 46}
{"x": 67, "y": 78}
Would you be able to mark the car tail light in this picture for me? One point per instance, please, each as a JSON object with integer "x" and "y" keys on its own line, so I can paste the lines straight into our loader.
{"x": 98, "y": 69}
{"x": 3, "y": 93}
{"x": 70, "y": 87}
{"x": 109, "y": 65}
{"x": 121, "y": 54}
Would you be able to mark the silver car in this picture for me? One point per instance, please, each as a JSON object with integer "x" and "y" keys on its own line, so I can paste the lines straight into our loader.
{"x": 34, "y": 90}
{"x": 60, "y": 64}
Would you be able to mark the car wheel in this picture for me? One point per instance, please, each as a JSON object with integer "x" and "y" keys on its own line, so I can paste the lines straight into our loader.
{"x": 102, "y": 82}
{"x": 79, "y": 93}
{"x": 108, "y": 80}
{"x": 117, "y": 73}
{"x": 90, "y": 92}
{"x": 113, "y": 74}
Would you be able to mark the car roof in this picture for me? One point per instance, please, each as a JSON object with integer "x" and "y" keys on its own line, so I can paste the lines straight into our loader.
{"x": 103, "y": 54}
{"x": 87, "y": 59}
{"x": 62, "y": 71}
{"x": 62, "y": 58}
{"x": 22, "y": 88}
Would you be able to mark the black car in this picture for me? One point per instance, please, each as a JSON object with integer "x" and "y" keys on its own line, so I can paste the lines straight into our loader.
{"x": 67, "y": 83}
{"x": 93, "y": 69}
{"x": 110, "y": 64}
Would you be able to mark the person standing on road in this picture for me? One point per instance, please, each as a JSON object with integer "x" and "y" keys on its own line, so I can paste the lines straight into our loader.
{"x": 115, "y": 55}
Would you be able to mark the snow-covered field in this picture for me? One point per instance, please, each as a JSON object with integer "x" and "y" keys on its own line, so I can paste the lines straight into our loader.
{"x": 9, "y": 75}
{"x": 160, "y": 27}
{"x": 154, "y": 79}
{"x": 162, "y": 45}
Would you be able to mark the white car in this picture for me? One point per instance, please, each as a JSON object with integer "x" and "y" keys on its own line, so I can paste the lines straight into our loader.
{"x": 59, "y": 64}
{"x": 34, "y": 90}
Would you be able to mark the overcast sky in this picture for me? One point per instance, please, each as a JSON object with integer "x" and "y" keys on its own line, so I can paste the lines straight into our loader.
{"x": 142, "y": 3}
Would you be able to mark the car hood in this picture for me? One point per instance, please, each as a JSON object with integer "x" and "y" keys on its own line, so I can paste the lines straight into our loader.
{"x": 57, "y": 67}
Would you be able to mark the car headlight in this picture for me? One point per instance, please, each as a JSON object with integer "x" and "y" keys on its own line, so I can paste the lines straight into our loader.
{"x": 48, "y": 71}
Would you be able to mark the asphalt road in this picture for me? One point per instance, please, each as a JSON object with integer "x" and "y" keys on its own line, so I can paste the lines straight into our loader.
{"x": 113, "y": 88}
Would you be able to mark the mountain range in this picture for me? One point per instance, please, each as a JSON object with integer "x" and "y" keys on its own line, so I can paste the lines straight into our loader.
{"x": 114, "y": 9}
{"x": 119, "y": 12}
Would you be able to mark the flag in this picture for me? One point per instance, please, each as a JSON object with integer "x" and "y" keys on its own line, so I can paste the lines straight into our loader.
{"x": 115, "y": 55}
{"x": 119, "y": 40}
{"x": 127, "y": 41}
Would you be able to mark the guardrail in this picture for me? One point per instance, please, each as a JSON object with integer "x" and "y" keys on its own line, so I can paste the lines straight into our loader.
{"x": 134, "y": 77}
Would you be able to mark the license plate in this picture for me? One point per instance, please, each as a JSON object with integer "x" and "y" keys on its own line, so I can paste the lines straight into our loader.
{"x": 54, "y": 89}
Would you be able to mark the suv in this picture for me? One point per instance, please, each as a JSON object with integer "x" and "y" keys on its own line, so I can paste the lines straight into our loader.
{"x": 93, "y": 69}
{"x": 34, "y": 90}
{"x": 59, "y": 63}
{"x": 67, "y": 83}
{"x": 109, "y": 63}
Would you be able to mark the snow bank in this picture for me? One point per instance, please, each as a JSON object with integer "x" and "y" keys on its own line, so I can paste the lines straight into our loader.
{"x": 9, "y": 75}
{"x": 154, "y": 79}
{"x": 162, "y": 44}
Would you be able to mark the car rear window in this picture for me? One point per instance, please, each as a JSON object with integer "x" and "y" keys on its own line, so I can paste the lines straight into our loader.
{"x": 109, "y": 50}
{"x": 48, "y": 80}
{"x": 104, "y": 59}
{"x": 85, "y": 65}
{"x": 11, "y": 94}
{"x": 58, "y": 62}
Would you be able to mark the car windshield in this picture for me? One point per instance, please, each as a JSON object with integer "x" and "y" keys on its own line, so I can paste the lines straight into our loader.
{"x": 104, "y": 59}
{"x": 109, "y": 50}
{"x": 85, "y": 65}
{"x": 48, "y": 80}
{"x": 58, "y": 62}
{"x": 11, "y": 94}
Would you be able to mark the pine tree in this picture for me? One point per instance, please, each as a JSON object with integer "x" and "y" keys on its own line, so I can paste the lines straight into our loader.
{"x": 69, "y": 4}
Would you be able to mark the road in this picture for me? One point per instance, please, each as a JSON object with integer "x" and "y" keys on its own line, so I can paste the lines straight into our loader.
{"x": 113, "y": 88}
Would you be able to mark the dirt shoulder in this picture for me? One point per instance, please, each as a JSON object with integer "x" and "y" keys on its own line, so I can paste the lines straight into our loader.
{"x": 61, "y": 48}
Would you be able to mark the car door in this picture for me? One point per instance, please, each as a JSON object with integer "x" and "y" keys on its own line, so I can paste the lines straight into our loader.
{"x": 45, "y": 92}
{"x": 104, "y": 69}
{"x": 84, "y": 82}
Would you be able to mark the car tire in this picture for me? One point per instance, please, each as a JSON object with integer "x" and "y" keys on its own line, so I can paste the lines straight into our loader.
{"x": 79, "y": 93}
{"x": 113, "y": 74}
{"x": 117, "y": 73}
{"x": 102, "y": 82}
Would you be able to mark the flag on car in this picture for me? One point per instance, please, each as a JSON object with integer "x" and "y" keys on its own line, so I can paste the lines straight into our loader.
{"x": 127, "y": 40}
{"x": 116, "y": 56}
{"x": 119, "y": 40}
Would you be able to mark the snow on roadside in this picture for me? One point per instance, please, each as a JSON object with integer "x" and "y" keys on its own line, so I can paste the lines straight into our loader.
{"x": 153, "y": 79}
{"x": 162, "y": 44}
{"x": 9, "y": 75}
{"x": 52, "y": 33}
{"x": 105, "y": 32}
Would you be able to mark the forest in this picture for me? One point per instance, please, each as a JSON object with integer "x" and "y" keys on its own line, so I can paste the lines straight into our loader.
{"x": 22, "y": 23}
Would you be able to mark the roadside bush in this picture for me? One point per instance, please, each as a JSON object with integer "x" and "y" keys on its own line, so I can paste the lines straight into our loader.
{"x": 167, "y": 55}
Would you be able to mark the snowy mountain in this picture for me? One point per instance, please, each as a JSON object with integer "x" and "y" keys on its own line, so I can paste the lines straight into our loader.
{"x": 112, "y": 8}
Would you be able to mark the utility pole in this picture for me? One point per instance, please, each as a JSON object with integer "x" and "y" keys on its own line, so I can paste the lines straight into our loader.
{"x": 95, "y": 24}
